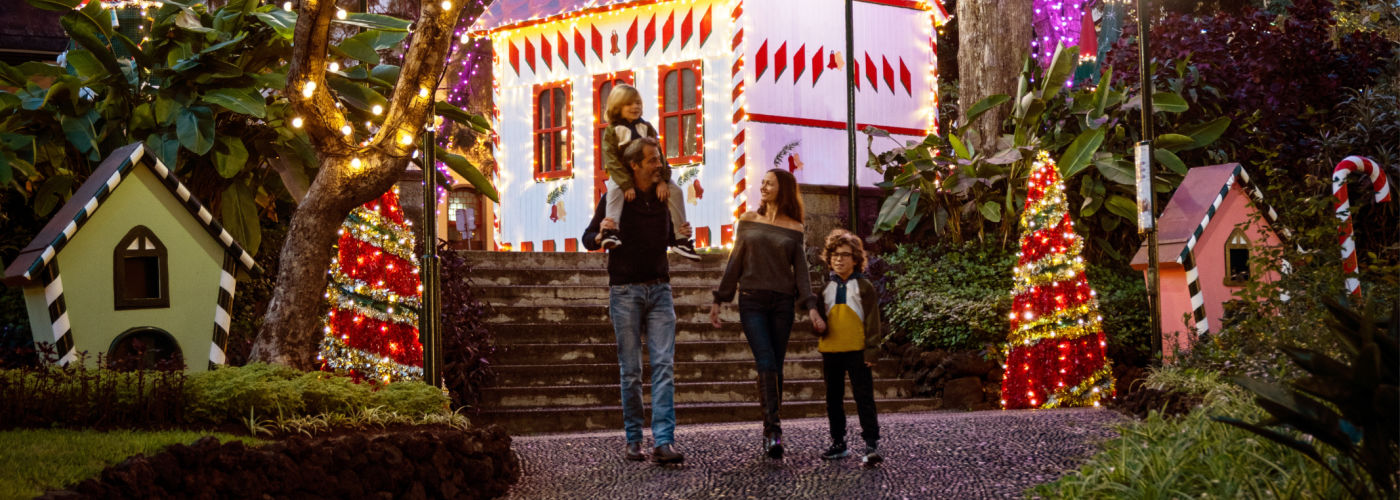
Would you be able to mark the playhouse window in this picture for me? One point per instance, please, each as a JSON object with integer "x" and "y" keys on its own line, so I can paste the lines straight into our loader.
{"x": 553, "y": 139}
{"x": 602, "y": 88}
{"x": 139, "y": 271}
{"x": 682, "y": 128}
{"x": 1237, "y": 259}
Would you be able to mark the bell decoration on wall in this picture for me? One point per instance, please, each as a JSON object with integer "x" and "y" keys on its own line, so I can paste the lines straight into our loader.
{"x": 794, "y": 163}
{"x": 693, "y": 191}
{"x": 555, "y": 199}
{"x": 836, "y": 60}
{"x": 615, "y": 49}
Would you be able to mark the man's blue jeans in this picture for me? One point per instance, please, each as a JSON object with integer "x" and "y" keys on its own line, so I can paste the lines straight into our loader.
{"x": 638, "y": 310}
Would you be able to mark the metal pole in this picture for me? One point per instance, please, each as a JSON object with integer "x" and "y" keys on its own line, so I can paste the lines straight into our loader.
{"x": 851, "y": 114}
{"x": 428, "y": 321}
{"x": 1154, "y": 291}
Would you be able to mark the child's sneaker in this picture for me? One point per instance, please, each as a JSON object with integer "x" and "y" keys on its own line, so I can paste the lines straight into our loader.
{"x": 686, "y": 249}
{"x": 872, "y": 456}
{"x": 837, "y": 450}
{"x": 611, "y": 240}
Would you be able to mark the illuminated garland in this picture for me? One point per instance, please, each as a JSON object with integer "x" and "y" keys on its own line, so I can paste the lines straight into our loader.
{"x": 371, "y": 329}
{"x": 1055, "y": 352}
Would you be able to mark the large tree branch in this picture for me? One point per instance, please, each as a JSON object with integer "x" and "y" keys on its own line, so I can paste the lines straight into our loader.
{"x": 310, "y": 42}
{"x": 422, "y": 68}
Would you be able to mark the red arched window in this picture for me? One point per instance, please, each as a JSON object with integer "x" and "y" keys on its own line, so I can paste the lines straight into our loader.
{"x": 682, "y": 125}
{"x": 553, "y": 138}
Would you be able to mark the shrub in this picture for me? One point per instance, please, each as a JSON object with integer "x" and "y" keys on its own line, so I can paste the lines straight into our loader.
{"x": 1192, "y": 456}
{"x": 75, "y": 396}
{"x": 954, "y": 297}
{"x": 468, "y": 346}
{"x": 958, "y": 296}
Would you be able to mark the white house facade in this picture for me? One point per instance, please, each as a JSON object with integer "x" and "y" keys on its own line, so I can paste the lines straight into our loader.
{"x": 736, "y": 87}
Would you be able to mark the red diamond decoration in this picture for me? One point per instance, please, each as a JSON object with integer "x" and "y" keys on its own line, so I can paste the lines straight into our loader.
{"x": 799, "y": 62}
{"x": 817, "y": 66}
{"x": 687, "y": 27}
{"x": 889, "y": 73}
{"x": 760, "y": 61}
{"x": 597, "y": 40}
{"x": 779, "y": 61}
{"x": 563, "y": 48}
{"x": 631, "y": 37}
{"x": 579, "y": 46}
{"x": 668, "y": 30}
{"x": 530, "y": 54}
{"x": 514, "y": 57}
{"x": 649, "y": 35}
{"x": 906, "y": 78}
{"x": 544, "y": 52}
{"x": 705, "y": 26}
{"x": 872, "y": 73}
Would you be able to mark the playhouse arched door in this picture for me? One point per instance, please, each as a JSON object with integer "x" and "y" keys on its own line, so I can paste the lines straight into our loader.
{"x": 145, "y": 348}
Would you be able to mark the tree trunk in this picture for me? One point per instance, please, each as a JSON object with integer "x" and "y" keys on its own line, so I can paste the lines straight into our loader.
{"x": 994, "y": 38}
{"x": 292, "y": 326}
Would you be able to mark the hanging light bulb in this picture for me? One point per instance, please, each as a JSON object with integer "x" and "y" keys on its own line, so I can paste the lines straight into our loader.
{"x": 287, "y": 6}
{"x": 340, "y": 13}
{"x": 345, "y": 129}
{"x": 423, "y": 92}
{"x": 334, "y": 67}
{"x": 355, "y": 163}
{"x": 377, "y": 109}
{"x": 446, "y": 5}
{"x": 309, "y": 89}
{"x": 405, "y": 138}
{"x": 463, "y": 39}
{"x": 296, "y": 122}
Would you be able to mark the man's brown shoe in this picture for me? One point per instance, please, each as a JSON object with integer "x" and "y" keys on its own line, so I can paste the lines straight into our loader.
{"x": 634, "y": 452}
{"x": 665, "y": 455}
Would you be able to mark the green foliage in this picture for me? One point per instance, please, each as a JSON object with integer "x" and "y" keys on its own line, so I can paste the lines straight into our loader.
{"x": 36, "y": 460}
{"x": 958, "y": 297}
{"x": 1192, "y": 456}
{"x": 204, "y": 93}
{"x": 951, "y": 298}
{"x": 945, "y": 187}
{"x": 229, "y": 394}
{"x": 1352, "y": 404}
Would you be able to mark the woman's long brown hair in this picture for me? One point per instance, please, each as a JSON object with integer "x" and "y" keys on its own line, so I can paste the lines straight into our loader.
{"x": 789, "y": 201}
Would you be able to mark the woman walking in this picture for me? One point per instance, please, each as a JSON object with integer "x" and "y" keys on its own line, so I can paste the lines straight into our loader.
{"x": 768, "y": 267}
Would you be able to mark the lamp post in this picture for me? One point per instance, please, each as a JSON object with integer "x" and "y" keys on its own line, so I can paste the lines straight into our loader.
{"x": 851, "y": 114}
{"x": 428, "y": 320}
{"x": 1149, "y": 218}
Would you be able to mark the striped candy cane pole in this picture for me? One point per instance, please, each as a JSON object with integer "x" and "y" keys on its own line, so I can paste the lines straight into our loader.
{"x": 1379, "y": 183}
{"x": 739, "y": 175}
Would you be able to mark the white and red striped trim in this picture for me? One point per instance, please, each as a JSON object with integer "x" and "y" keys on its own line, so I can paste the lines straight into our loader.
{"x": 739, "y": 174}
{"x": 1379, "y": 183}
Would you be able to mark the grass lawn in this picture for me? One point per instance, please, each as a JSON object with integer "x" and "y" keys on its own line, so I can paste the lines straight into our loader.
{"x": 34, "y": 460}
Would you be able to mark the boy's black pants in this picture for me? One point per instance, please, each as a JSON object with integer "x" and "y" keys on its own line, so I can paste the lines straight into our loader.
{"x": 835, "y": 366}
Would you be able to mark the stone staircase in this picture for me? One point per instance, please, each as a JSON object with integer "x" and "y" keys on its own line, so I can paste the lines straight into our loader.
{"x": 557, "y": 356}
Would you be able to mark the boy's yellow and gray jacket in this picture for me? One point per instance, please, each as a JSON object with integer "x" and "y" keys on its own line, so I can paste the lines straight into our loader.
{"x": 851, "y": 309}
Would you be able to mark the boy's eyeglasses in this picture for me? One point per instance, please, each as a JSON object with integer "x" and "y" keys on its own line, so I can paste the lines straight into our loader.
{"x": 843, "y": 255}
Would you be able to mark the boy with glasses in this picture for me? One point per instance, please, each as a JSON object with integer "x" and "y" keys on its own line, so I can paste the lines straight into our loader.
{"x": 850, "y": 344}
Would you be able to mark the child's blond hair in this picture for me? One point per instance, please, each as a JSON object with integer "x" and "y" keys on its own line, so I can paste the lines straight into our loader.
{"x": 620, "y": 96}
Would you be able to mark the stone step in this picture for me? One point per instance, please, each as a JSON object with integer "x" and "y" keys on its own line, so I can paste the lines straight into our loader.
{"x": 719, "y": 350}
{"x": 602, "y": 333}
{"x": 689, "y": 313}
{"x": 686, "y": 392}
{"x": 595, "y": 277}
{"x": 518, "y": 376}
{"x": 482, "y": 260}
{"x": 550, "y": 295}
{"x": 572, "y": 419}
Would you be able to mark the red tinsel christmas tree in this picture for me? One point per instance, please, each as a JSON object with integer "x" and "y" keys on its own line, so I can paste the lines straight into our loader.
{"x": 1056, "y": 348}
{"x": 372, "y": 328}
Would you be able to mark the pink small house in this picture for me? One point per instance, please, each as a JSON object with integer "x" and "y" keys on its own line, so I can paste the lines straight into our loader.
{"x": 1205, "y": 238}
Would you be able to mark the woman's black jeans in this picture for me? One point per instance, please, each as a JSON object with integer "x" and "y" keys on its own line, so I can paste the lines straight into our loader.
{"x": 767, "y": 317}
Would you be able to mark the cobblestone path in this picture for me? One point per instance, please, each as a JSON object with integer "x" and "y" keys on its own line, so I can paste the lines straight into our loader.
{"x": 989, "y": 454}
